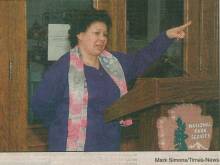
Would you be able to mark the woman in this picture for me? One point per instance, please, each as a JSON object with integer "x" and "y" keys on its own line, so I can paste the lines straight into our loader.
{"x": 76, "y": 90}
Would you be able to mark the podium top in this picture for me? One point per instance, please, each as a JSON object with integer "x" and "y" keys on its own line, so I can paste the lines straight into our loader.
{"x": 148, "y": 92}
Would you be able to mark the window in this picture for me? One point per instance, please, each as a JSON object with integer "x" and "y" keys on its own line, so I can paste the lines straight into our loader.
{"x": 40, "y": 13}
{"x": 145, "y": 20}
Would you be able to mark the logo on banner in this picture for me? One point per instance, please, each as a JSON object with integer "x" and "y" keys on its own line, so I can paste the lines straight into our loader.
{"x": 185, "y": 129}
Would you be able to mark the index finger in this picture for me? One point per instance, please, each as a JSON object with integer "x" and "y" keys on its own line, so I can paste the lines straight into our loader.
{"x": 185, "y": 25}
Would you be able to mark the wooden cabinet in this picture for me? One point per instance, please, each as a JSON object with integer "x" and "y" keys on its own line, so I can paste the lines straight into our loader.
{"x": 201, "y": 60}
{"x": 13, "y": 63}
{"x": 4, "y": 73}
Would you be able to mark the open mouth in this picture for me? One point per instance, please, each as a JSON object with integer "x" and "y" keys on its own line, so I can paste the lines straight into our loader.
{"x": 100, "y": 47}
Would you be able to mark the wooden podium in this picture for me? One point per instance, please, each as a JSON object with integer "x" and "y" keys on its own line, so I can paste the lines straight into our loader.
{"x": 150, "y": 98}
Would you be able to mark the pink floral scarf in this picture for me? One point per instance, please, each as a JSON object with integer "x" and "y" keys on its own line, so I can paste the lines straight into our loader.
{"x": 78, "y": 95}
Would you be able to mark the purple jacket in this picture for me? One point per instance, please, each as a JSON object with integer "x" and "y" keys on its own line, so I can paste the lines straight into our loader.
{"x": 50, "y": 103}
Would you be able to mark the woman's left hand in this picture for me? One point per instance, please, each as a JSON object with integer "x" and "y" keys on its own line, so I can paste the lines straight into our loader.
{"x": 178, "y": 32}
{"x": 126, "y": 123}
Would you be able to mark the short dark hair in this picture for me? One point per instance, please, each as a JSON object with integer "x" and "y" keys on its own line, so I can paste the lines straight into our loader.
{"x": 84, "y": 21}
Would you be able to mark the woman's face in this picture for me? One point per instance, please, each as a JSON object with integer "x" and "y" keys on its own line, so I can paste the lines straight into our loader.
{"x": 93, "y": 41}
